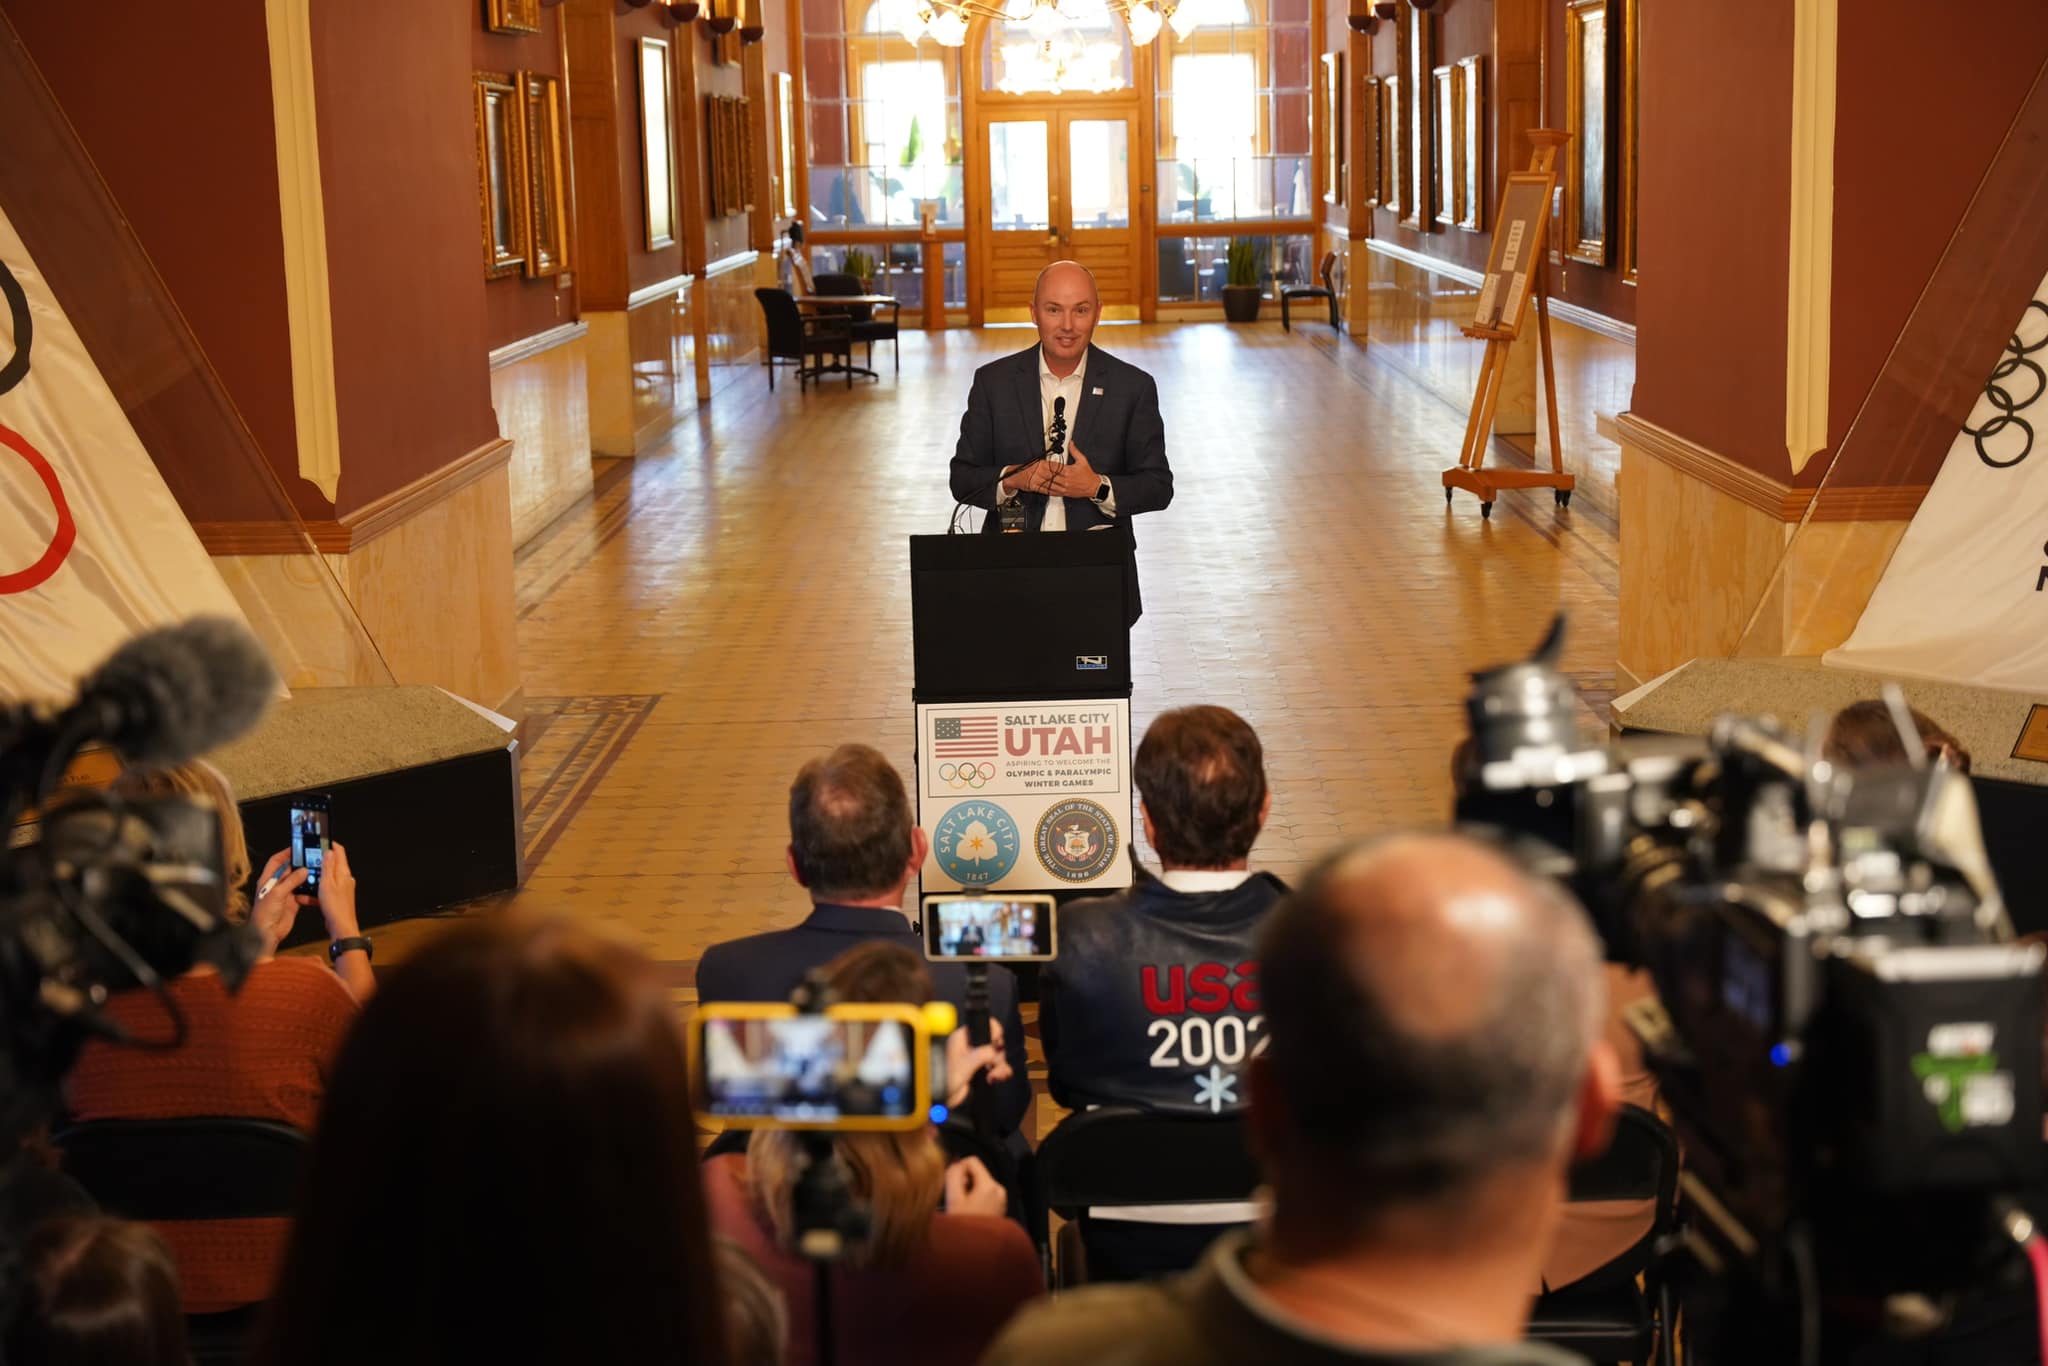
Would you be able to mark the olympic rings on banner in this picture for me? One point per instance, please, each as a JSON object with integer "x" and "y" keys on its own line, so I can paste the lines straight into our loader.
{"x": 16, "y": 369}
{"x": 968, "y": 775}
{"x": 66, "y": 530}
{"x": 2018, "y": 358}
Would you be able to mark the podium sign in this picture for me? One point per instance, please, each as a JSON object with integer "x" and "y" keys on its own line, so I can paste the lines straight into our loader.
{"x": 1025, "y": 796}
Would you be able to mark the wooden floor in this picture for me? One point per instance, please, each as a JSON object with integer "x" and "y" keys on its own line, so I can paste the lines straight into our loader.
{"x": 737, "y": 601}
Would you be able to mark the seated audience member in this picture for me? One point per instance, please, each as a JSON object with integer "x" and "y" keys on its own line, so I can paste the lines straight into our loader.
{"x": 95, "y": 1292}
{"x": 756, "y": 1315}
{"x": 263, "y": 1052}
{"x": 1180, "y": 950}
{"x": 854, "y": 847}
{"x": 1863, "y": 733}
{"x": 505, "y": 1169}
{"x": 1436, "y": 1065}
{"x": 927, "y": 1287}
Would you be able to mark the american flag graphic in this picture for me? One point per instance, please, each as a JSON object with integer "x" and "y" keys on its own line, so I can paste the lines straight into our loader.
{"x": 965, "y": 737}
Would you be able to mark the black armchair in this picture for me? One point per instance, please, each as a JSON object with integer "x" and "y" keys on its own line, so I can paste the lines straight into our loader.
{"x": 866, "y": 326}
{"x": 1324, "y": 291}
{"x": 806, "y": 339}
{"x": 1606, "y": 1315}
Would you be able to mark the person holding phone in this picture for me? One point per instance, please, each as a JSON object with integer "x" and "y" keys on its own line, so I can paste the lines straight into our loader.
{"x": 263, "y": 1052}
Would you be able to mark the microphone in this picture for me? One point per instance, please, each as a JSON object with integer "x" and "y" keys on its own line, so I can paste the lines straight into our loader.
{"x": 1010, "y": 515}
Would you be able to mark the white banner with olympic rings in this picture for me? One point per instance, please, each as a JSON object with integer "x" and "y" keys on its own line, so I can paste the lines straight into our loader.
{"x": 1025, "y": 796}
{"x": 1965, "y": 597}
{"x": 93, "y": 548}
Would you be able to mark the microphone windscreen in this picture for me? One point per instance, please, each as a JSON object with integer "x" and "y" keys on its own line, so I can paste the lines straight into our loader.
{"x": 176, "y": 692}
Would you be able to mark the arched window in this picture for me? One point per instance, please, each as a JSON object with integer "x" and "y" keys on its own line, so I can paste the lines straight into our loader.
{"x": 1239, "y": 145}
{"x": 884, "y": 119}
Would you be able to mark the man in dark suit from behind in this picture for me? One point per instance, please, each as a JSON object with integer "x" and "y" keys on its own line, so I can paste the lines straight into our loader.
{"x": 854, "y": 847}
{"x": 1153, "y": 1000}
{"x": 1065, "y": 429}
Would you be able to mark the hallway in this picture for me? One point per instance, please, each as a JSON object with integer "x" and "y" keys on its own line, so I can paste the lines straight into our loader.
{"x": 737, "y": 601}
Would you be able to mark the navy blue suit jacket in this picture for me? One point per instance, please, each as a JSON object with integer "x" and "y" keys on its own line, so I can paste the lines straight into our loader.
{"x": 768, "y": 967}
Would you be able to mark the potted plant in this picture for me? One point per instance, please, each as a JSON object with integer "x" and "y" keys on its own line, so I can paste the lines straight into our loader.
{"x": 861, "y": 266}
{"x": 1244, "y": 272}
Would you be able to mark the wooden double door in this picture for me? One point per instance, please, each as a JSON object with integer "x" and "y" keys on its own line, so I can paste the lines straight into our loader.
{"x": 1061, "y": 186}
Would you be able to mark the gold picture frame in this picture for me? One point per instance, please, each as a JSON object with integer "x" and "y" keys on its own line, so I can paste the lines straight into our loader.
{"x": 1472, "y": 142}
{"x": 512, "y": 16}
{"x": 1417, "y": 49}
{"x": 500, "y": 169}
{"x": 1631, "y": 113}
{"x": 785, "y": 127}
{"x": 730, "y": 134}
{"x": 547, "y": 197}
{"x": 1394, "y": 163}
{"x": 655, "y": 77}
{"x": 1444, "y": 111}
{"x": 1371, "y": 94}
{"x": 1586, "y": 67}
{"x": 1333, "y": 128}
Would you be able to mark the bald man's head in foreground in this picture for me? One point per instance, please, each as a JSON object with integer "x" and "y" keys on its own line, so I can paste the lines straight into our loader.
{"x": 1065, "y": 305}
{"x": 1435, "y": 1016}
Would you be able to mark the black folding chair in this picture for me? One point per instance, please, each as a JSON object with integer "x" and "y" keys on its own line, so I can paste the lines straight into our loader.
{"x": 1326, "y": 290}
{"x": 166, "y": 1170}
{"x": 1121, "y": 1156}
{"x": 1605, "y": 1315}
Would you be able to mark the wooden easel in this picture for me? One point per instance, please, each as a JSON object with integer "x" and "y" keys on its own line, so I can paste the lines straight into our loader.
{"x": 1517, "y": 268}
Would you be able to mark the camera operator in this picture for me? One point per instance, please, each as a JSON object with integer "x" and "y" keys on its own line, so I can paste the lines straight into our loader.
{"x": 943, "y": 1282}
{"x": 1182, "y": 950}
{"x": 1436, "y": 1065}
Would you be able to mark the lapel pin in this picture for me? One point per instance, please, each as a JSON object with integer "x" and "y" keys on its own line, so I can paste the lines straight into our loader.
{"x": 1096, "y": 392}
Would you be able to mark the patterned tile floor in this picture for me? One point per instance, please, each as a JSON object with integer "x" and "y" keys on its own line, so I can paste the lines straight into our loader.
{"x": 736, "y": 601}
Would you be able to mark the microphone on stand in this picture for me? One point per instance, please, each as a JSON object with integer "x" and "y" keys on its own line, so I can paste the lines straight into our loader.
{"x": 1011, "y": 516}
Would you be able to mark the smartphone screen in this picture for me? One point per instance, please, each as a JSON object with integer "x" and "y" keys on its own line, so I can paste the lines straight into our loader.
{"x": 310, "y": 834}
{"x": 997, "y": 929}
{"x": 806, "y": 1069}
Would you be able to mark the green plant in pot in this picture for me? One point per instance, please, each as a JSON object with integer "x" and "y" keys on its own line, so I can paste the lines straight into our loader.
{"x": 1244, "y": 274}
{"x": 861, "y": 266}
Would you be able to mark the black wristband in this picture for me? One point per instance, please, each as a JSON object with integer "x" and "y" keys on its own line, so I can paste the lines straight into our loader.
{"x": 350, "y": 945}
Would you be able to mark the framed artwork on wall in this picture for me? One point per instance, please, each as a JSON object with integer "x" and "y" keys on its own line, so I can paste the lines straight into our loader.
{"x": 1372, "y": 174}
{"x": 1333, "y": 127}
{"x": 657, "y": 140}
{"x": 1586, "y": 51}
{"x": 1450, "y": 175}
{"x": 785, "y": 151}
{"x": 1631, "y": 106}
{"x": 1417, "y": 47}
{"x": 1472, "y": 143}
{"x": 547, "y": 201}
{"x": 1394, "y": 161}
{"x": 729, "y": 132}
{"x": 500, "y": 166}
{"x": 512, "y": 16}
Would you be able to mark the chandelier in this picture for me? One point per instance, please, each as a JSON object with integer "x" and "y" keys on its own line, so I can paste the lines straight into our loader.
{"x": 1057, "y": 57}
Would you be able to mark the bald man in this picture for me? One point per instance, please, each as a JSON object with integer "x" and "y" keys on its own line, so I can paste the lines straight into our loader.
{"x": 1436, "y": 1066}
{"x": 1064, "y": 435}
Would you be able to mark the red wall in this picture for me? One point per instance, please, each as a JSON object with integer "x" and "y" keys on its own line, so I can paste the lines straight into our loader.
{"x": 644, "y": 267}
{"x": 176, "y": 116}
{"x": 1463, "y": 29}
{"x": 1902, "y": 183}
{"x": 1714, "y": 209}
{"x": 516, "y": 305}
{"x": 404, "y": 240}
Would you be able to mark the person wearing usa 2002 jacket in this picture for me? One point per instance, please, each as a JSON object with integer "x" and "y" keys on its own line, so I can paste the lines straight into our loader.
{"x": 1065, "y": 429}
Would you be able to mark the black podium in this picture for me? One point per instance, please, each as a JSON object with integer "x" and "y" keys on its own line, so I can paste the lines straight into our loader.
{"x": 1034, "y": 615}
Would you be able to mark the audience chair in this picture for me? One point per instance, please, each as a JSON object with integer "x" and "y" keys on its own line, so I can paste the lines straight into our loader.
{"x": 1116, "y": 1155}
{"x": 866, "y": 326}
{"x": 163, "y": 1170}
{"x": 807, "y": 339}
{"x": 1605, "y": 1315}
{"x": 1326, "y": 290}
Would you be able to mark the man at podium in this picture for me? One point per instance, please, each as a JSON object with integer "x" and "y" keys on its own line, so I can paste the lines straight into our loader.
{"x": 1063, "y": 436}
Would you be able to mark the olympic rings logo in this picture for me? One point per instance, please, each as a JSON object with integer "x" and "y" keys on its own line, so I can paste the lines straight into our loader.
{"x": 2009, "y": 400}
{"x": 962, "y": 776}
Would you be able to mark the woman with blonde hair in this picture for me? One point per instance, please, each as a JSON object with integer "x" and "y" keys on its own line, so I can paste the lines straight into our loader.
{"x": 946, "y": 1282}
{"x": 263, "y": 1052}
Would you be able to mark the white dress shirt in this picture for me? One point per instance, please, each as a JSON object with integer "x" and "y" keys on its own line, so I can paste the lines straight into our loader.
{"x": 1050, "y": 387}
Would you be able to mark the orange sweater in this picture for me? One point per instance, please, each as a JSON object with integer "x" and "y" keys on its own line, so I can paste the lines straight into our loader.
{"x": 263, "y": 1053}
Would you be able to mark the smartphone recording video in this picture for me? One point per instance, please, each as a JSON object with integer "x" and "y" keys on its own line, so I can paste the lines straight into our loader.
{"x": 309, "y": 840}
{"x": 1007, "y": 929}
{"x": 854, "y": 1067}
